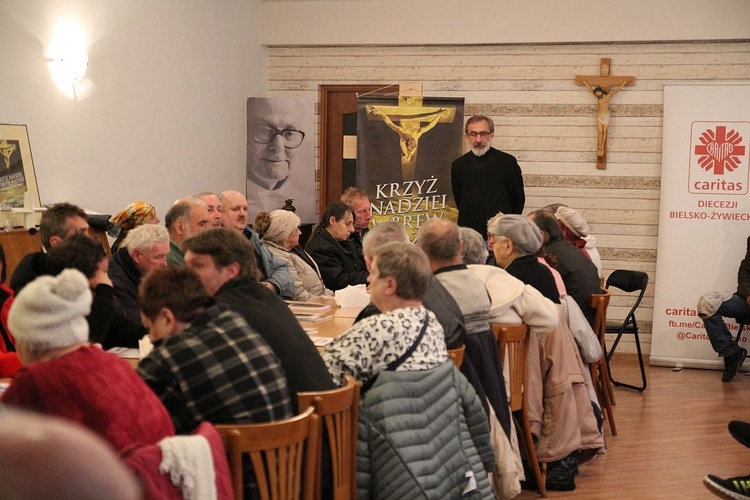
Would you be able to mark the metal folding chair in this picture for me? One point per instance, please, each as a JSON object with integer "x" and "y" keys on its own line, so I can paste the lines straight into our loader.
{"x": 627, "y": 281}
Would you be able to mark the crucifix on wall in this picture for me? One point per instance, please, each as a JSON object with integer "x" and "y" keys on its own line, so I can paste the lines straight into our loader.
{"x": 601, "y": 87}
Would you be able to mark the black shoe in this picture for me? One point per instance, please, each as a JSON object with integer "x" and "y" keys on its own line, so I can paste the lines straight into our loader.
{"x": 740, "y": 431}
{"x": 732, "y": 364}
{"x": 734, "y": 487}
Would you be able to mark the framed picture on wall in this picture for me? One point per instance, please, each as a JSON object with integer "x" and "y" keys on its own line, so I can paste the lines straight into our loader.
{"x": 16, "y": 168}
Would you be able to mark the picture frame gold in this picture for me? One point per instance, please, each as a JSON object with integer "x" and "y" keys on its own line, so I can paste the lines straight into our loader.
{"x": 17, "y": 175}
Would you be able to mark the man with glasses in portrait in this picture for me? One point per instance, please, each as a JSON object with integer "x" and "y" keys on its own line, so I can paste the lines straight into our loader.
{"x": 276, "y": 158}
{"x": 485, "y": 180}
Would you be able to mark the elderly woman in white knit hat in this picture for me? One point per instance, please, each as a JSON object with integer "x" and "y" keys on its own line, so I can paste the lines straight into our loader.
{"x": 575, "y": 229}
{"x": 280, "y": 232}
{"x": 64, "y": 375}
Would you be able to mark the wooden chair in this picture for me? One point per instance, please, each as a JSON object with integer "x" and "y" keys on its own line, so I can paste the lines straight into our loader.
{"x": 339, "y": 411}
{"x": 280, "y": 453}
{"x": 457, "y": 355}
{"x": 598, "y": 369}
{"x": 514, "y": 339}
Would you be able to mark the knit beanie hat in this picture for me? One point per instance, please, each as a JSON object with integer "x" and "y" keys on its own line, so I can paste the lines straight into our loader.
{"x": 573, "y": 221}
{"x": 50, "y": 312}
{"x": 283, "y": 222}
{"x": 524, "y": 233}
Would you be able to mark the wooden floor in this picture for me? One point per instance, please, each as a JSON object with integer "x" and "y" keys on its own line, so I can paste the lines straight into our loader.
{"x": 669, "y": 437}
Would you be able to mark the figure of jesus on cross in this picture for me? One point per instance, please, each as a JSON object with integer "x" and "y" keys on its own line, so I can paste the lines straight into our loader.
{"x": 414, "y": 120}
{"x": 599, "y": 86}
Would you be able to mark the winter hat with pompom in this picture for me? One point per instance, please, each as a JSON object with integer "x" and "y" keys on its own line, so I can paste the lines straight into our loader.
{"x": 50, "y": 312}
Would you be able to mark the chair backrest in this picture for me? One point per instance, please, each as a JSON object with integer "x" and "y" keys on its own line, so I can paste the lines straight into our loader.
{"x": 600, "y": 302}
{"x": 513, "y": 339}
{"x": 339, "y": 410}
{"x": 277, "y": 452}
{"x": 629, "y": 281}
{"x": 457, "y": 355}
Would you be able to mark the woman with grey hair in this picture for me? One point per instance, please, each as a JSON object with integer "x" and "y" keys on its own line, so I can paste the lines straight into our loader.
{"x": 402, "y": 360}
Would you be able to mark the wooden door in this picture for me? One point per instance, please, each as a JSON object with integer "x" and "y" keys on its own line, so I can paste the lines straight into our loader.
{"x": 338, "y": 136}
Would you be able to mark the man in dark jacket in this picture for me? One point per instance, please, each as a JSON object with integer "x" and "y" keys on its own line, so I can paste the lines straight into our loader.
{"x": 145, "y": 248}
{"x": 225, "y": 263}
{"x": 60, "y": 221}
{"x": 713, "y": 308}
{"x": 485, "y": 180}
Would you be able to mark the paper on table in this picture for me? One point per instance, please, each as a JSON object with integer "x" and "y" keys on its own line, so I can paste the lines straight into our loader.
{"x": 353, "y": 296}
{"x": 125, "y": 352}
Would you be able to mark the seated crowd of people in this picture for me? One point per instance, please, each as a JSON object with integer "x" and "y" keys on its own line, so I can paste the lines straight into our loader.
{"x": 209, "y": 287}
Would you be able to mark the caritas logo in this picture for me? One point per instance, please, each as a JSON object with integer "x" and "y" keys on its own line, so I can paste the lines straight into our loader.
{"x": 719, "y": 158}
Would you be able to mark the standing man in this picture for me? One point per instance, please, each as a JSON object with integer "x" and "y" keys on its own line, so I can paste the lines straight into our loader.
{"x": 485, "y": 180}
{"x": 186, "y": 218}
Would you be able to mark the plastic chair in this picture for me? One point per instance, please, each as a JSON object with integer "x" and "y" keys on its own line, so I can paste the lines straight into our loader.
{"x": 628, "y": 281}
{"x": 457, "y": 355}
{"x": 279, "y": 452}
{"x": 339, "y": 411}
{"x": 598, "y": 369}
{"x": 513, "y": 339}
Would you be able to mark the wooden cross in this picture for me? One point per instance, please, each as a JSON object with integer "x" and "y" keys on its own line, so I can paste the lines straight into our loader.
{"x": 600, "y": 85}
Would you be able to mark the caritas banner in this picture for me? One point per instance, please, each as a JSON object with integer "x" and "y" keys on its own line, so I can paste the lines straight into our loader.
{"x": 405, "y": 147}
{"x": 704, "y": 215}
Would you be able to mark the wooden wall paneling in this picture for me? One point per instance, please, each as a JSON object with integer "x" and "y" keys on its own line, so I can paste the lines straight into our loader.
{"x": 548, "y": 122}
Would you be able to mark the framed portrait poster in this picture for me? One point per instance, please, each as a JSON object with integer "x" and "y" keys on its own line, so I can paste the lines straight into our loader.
{"x": 16, "y": 168}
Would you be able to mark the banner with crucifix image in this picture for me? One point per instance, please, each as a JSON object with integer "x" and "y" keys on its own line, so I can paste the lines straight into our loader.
{"x": 405, "y": 147}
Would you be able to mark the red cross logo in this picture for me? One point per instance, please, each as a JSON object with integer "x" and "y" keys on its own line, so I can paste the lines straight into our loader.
{"x": 719, "y": 150}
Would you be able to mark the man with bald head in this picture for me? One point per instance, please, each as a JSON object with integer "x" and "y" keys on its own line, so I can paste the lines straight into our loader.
{"x": 275, "y": 274}
{"x": 441, "y": 241}
{"x": 186, "y": 218}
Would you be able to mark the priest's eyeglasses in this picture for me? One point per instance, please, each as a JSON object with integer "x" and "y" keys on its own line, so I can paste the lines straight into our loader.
{"x": 264, "y": 134}
{"x": 483, "y": 134}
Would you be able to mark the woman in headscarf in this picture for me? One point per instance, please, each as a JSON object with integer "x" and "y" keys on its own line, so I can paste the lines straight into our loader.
{"x": 134, "y": 215}
{"x": 280, "y": 232}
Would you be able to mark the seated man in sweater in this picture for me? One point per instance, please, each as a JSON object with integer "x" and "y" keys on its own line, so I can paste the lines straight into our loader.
{"x": 144, "y": 248}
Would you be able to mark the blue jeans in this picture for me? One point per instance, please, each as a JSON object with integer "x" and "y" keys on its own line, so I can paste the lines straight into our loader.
{"x": 721, "y": 340}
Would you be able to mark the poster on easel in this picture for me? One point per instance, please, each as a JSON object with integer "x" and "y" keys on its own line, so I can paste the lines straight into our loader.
{"x": 405, "y": 147}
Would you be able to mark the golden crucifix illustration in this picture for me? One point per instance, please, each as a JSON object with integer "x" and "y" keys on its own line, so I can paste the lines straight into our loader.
{"x": 414, "y": 120}
{"x": 601, "y": 87}
{"x": 7, "y": 150}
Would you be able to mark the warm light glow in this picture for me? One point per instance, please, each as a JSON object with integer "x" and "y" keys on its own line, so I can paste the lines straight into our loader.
{"x": 68, "y": 60}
